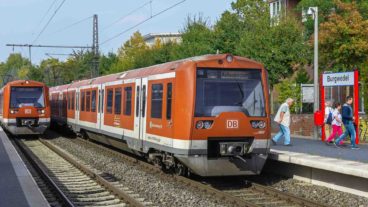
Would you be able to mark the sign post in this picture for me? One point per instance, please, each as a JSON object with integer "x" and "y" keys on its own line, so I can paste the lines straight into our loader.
{"x": 342, "y": 79}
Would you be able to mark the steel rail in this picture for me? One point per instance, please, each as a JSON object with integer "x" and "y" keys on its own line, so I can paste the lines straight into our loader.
{"x": 183, "y": 180}
{"x": 206, "y": 188}
{"x": 119, "y": 193}
{"x": 39, "y": 167}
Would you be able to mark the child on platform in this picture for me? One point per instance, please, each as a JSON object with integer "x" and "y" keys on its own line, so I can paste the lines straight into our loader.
{"x": 336, "y": 124}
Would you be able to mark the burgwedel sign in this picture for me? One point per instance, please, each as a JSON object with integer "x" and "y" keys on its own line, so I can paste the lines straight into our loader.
{"x": 338, "y": 79}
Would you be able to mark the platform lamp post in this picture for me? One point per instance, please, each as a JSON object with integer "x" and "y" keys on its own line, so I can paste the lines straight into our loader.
{"x": 314, "y": 11}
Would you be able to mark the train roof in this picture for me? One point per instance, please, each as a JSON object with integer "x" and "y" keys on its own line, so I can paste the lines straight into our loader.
{"x": 24, "y": 83}
{"x": 150, "y": 70}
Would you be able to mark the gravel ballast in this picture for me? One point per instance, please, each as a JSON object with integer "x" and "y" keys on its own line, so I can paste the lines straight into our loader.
{"x": 169, "y": 193}
{"x": 312, "y": 192}
{"x": 149, "y": 186}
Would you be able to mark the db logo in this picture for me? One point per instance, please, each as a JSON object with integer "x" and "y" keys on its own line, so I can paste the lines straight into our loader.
{"x": 232, "y": 124}
{"x": 28, "y": 111}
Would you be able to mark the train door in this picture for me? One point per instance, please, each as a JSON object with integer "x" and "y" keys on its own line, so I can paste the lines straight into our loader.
{"x": 140, "y": 109}
{"x": 77, "y": 107}
{"x": 100, "y": 115}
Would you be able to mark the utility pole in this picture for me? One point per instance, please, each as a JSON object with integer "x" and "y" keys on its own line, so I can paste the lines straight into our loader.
{"x": 95, "y": 49}
{"x": 314, "y": 11}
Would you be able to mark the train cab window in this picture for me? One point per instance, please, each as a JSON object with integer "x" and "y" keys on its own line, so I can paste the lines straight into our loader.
{"x": 93, "y": 104}
{"x": 117, "y": 105}
{"x": 128, "y": 101}
{"x": 27, "y": 96}
{"x": 88, "y": 101}
{"x": 169, "y": 101}
{"x": 144, "y": 101}
{"x": 82, "y": 101}
{"x": 156, "y": 101}
{"x": 110, "y": 94}
{"x": 137, "y": 102}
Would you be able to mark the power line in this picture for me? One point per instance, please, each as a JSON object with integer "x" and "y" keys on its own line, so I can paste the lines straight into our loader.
{"x": 151, "y": 17}
{"x": 72, "y": 25}
{"x": 48, "y": 10}
{"x": 48, "y": 22}
{"x": 125, "y": 16}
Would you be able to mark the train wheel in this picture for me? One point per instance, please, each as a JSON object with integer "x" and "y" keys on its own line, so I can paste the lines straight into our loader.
{"x": 181, "y": 170}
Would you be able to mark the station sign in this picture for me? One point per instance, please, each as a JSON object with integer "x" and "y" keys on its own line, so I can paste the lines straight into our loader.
{"x": 338, "y": 79}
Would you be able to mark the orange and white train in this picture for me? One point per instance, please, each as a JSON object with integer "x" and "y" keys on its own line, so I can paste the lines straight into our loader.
{"x": 207, "y": 115}
{"x": 24, "y": 107}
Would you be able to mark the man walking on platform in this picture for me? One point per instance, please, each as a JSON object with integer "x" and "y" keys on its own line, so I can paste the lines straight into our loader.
{"x": 283, "y": 119}
{"x": 347, "y": 119}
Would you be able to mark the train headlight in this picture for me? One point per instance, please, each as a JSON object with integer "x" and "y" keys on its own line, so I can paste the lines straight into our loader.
{"x": 258, "y": 124}
{"x": 199, "y": 125}
{"x": 13, "y": 111}
{"x": 223, "y": 149}
{"x": 229, "y": 58}
{"x": 208, "y": 124}
{"x": 41, "y": 111}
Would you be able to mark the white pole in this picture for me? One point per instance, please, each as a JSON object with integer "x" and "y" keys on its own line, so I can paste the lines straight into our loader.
{"x": 316, "y": 83}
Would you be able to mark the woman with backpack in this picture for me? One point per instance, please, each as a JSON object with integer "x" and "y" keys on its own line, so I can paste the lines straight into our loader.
{"x": 336, "y": 123}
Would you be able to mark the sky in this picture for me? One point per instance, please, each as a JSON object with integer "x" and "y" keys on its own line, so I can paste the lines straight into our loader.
{"x": 21, "y": 21}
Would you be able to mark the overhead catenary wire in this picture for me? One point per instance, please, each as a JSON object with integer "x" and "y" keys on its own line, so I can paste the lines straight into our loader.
{"x": 127, "y": 15}
{"x": 48, "y": 22}
{"x": 141, "y": 22}
{"x": 72, "y": 25}
{"x": 46, "y": 13}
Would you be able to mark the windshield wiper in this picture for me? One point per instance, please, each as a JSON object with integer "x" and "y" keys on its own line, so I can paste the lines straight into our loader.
{"x": 241, "y": 91}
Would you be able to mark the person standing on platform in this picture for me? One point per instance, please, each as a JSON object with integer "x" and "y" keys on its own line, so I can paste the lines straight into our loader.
{"x": 336, "y": 124}
{"x": 283, "y": 119}
{"x": 328, "y": 118}
{"x": 347, "y": 119}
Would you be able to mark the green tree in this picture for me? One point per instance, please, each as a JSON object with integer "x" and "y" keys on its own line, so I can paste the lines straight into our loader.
{"x": 130, "y": 52}
{"x": 197, "y": 38}
{"x": 107, "y": 61}
{"x": 278, "y": 43}
{"x": 292, "y": 90}
{"x": 302, "y": 76}
{"x": 343, "y": 39}
{"x": 227, "y": 32}
{"x": 15, "y": 67}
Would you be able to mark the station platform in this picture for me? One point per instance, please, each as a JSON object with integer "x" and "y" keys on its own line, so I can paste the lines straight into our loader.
{"x": 17, "y": 186}
{"x": 341, "y": 168}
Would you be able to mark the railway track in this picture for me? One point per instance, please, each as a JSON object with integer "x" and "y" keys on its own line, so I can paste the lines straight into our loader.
{"x": 74, "y": 183}
{"x": 249, "y": 194}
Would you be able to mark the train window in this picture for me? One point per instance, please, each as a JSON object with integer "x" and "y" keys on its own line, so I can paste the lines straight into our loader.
{"x": 99, "y": 101}
{"x": 82, "y": 101}
{"x": 117, "y": 105}
{"x": 73, "y": 100}
{"x": 27, "y": 96}
{"x": 156, "y": 101}
{"x": 144, "y": 101}
{"x": 77, "y": 101}
{"x": 102, "y": 100}
{"x": 68, "y": 100}
{"x": 168, "y": 101}
{"x": 110, "y": 94}
{"x": 137, "y": 102}
{"x": 93, "y": 107}
{"x": 88, "y": 101}
{"x": 128, "y": 101}
{"x": 227, "y": 90}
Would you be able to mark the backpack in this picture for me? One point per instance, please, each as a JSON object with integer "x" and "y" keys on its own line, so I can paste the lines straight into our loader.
{"x": 329, "y": 118}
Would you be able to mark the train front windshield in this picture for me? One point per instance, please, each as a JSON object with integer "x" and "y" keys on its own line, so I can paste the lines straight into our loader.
{"x": 221, "y": 91}
{"x": 27, "y": 96}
